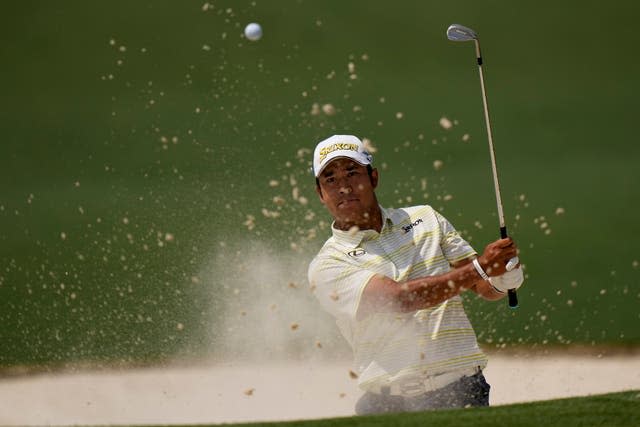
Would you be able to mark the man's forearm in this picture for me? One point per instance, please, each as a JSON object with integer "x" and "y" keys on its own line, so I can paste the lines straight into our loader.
{"x": 383, "y": 294}
{"x": 429, "y": 291}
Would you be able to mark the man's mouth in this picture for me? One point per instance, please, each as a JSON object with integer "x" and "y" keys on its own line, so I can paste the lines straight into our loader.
{"x": 347, "y": 202}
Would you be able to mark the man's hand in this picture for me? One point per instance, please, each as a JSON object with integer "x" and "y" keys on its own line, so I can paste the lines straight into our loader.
{"x": 496, "y": 255}
{"x": 510, "y": 280}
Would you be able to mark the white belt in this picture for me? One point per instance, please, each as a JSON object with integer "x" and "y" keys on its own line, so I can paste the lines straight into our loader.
{"x": 421, "y": 385}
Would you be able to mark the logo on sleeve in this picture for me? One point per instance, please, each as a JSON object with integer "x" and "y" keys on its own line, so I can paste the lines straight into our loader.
{"x": 356, "y": 252}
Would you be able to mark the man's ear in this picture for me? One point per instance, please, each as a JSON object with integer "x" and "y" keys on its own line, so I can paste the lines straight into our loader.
{"x": 319, "y": 191}
{"x": 374, "y": 178}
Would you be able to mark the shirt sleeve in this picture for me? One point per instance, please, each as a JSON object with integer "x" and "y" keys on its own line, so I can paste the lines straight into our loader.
{"x": 454, "y": 247}
{"x": 338, "y": 286}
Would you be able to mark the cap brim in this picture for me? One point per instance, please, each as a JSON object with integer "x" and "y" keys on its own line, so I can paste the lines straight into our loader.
{"x": 360, "y": 158}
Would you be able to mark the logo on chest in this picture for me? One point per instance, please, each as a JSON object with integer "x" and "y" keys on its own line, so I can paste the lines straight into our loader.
{"x": 408, "y": 228}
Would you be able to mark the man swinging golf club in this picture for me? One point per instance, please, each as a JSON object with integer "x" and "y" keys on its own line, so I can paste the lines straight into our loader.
{"x": 392, "y": 280}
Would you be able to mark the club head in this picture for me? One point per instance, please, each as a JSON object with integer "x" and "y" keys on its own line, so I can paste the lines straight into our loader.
{"x": 460, "y": 33}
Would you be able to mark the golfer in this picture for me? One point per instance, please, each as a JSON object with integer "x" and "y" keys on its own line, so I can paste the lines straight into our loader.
{"x": 392, "y": 280}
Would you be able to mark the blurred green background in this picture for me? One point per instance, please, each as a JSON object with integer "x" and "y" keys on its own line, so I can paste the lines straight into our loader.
{"x": 154, "y": 165}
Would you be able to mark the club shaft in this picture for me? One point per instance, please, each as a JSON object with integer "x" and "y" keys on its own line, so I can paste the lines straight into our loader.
{"x": 494, "y": 168}
{"x": 512, "y": 295}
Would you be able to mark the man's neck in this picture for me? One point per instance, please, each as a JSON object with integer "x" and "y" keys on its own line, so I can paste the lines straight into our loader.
{"x": 371, "y": 220}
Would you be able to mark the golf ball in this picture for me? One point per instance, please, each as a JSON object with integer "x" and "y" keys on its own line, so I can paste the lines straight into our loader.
{"x": 253, "y": 31}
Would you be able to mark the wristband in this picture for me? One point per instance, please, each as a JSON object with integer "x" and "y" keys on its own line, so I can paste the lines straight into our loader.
{"x": 479, "y": 269}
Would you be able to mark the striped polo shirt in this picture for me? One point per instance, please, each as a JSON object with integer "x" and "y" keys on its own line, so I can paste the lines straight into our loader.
{"x": 388, "y": 347}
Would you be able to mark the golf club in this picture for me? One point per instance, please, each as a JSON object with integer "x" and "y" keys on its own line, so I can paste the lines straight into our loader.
{"x": 460, "y": 33}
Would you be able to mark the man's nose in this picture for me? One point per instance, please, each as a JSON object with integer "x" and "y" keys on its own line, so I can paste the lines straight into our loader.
{"x": 345, "y": 189}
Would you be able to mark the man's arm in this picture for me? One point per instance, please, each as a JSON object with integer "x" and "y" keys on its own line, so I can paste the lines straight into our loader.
{"x": 482, "y": 287}
{"x": 385, "y": 294}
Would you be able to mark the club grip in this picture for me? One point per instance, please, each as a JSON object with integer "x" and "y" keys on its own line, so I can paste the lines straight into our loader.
{"x": 513, "y": 296}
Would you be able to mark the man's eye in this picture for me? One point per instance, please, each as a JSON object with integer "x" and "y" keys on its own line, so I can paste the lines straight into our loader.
{"x": 330, "y": 179}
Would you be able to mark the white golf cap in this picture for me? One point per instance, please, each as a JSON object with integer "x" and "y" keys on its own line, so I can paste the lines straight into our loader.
{"x": 339, "y": 146}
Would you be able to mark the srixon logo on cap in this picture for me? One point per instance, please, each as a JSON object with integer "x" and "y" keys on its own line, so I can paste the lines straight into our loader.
{"x": 407, "y": 228}
{"x": 324, "y": 152}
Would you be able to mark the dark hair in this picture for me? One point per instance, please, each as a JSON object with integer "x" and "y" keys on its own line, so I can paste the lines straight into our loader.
{"x": 369, "y": 171}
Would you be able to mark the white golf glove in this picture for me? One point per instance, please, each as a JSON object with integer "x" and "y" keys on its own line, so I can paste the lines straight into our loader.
{"x": 510, "y": 280}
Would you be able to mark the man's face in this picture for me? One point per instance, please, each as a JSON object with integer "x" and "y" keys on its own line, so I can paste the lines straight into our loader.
{"x": 347, "y": 190}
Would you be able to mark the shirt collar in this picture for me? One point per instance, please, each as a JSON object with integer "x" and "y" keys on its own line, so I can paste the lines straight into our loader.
{"x": 353, "y": 239}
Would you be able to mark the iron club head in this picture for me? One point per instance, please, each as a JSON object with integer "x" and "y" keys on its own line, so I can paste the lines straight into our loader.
{"x": 460, "y": 33}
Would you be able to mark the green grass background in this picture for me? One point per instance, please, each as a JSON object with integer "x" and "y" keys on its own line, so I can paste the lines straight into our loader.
{"x": 138, "y": 136}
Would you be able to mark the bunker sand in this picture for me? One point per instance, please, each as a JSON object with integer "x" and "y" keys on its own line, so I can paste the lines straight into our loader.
{"x": 217, "y": 393}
